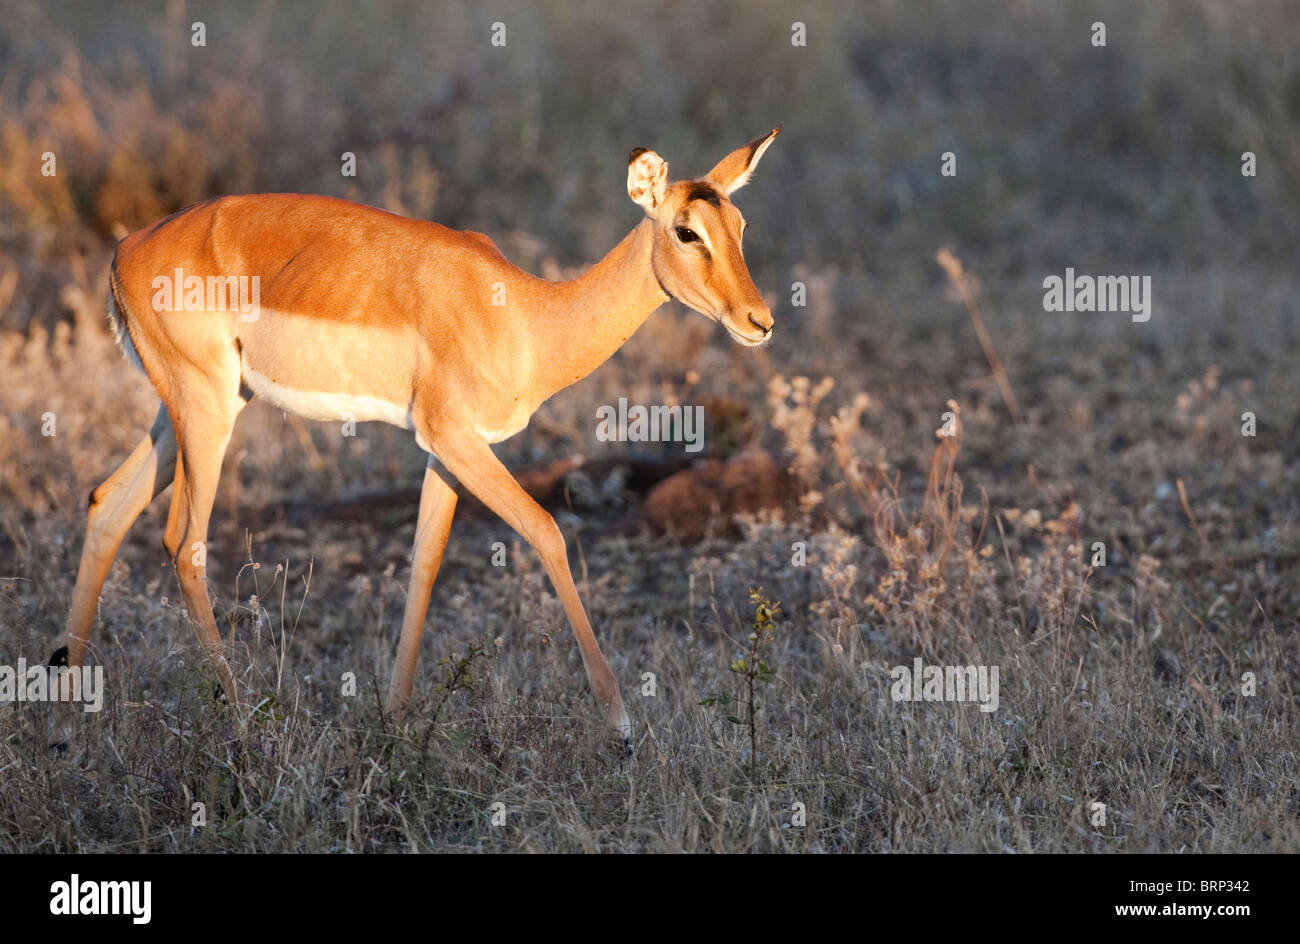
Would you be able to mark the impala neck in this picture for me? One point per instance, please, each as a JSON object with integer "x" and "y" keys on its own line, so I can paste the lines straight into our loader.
{"x": 585, "y": 320}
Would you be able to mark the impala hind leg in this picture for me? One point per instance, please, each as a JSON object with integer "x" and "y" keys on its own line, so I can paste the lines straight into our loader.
{"x": 114, "y": 506}
{"x": 472, "y": 461}
{"x": 437, "y": 505}
{"x": 202, "y": 438}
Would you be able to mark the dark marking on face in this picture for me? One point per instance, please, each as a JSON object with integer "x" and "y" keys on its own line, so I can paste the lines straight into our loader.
{"x": 635, "y": 153}
{"x": 702, "y": 191}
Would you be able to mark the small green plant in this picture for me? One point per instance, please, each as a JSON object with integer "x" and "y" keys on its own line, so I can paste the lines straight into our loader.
{"x": 752, "y": 666}
{"x": 460, "y": 672}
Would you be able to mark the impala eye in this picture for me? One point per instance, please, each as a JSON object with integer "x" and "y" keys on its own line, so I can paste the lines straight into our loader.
{"x": 687, "y": 235}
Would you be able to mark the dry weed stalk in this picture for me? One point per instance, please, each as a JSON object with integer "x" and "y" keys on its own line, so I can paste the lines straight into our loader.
{"x": 966, "y": 285}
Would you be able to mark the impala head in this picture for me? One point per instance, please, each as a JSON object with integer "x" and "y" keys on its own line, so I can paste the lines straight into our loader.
{"x": 698, "y": 231}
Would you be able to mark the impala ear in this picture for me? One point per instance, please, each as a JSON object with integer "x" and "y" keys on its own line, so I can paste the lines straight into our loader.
{"x": 734, "y": 170}
{"x": 647, "y": 178}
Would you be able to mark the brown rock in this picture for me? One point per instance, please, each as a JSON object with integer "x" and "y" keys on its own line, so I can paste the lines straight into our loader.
{"x": 709, "y": 495}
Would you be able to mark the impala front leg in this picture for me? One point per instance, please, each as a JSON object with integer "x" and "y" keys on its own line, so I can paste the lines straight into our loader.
{"x": 472, "y": 461}
{"x": 437, "y": 504}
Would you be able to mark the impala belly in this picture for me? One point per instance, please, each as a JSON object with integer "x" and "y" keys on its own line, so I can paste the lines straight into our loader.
{"x": 319, "y": 405}
{"x": 324, "y": 371}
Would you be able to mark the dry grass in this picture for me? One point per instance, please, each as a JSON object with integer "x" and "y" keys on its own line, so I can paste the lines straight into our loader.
{"x": 1120, "y": 684}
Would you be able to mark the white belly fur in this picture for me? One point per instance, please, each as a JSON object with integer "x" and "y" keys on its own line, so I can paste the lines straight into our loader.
{"x": 327, "y": 406}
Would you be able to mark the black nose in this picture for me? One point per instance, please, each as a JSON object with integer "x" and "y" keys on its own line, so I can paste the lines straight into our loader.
{"x": 765, "y": 328}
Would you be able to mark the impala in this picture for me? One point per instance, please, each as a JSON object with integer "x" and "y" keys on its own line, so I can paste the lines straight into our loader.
{"x": 365, "y": 315}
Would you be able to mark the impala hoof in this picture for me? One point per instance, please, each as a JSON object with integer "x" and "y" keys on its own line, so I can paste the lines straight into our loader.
{"x": 219, "y": 694}
{"x": 59, "y": 658}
